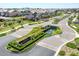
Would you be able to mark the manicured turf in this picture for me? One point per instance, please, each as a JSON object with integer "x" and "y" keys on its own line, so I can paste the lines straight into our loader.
{"x": 17, "y": 22}
{"x": 73, "y": 25}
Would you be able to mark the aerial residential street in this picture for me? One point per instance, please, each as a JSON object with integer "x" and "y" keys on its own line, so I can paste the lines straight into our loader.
{"x": 6, "y": 39}
{"x": 55, "y": 42}
{"x": 48, "y": 45}
{"x": 68, "y": 33}
{"x": 39, "y": 29}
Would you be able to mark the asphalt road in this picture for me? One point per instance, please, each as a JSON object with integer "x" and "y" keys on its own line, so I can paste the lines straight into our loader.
{"x": 68, "y": 33}
{"x": 38, "y": 50}
{"x": 56, "y": 41}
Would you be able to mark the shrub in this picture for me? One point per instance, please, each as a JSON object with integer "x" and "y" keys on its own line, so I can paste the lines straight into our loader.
{"x": 77, "y": 40}
{"x": 73, "y": 54}
{"x": 71, "y": 45}
{"x": 62, "y": 53}
{"x": 3, "y": 34}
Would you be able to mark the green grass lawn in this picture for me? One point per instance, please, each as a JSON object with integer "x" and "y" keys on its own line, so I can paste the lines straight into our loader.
{"x": 73, "y": 25}
{"x": 8, "y": 29}
{"x": 13, "y": 25}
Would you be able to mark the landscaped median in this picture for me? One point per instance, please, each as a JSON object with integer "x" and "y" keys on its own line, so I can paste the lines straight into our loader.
{"x": 12, "y": 25}
{"x": 75, "y": 27}
{"x": 29, "y": 40}
{"x": 74, "y": 24}
{"x": 8, "y": 26}
{"x": 7, "y": 31}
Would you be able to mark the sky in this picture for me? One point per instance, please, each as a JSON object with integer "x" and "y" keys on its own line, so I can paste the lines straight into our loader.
{"x": 39, "y": 5}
